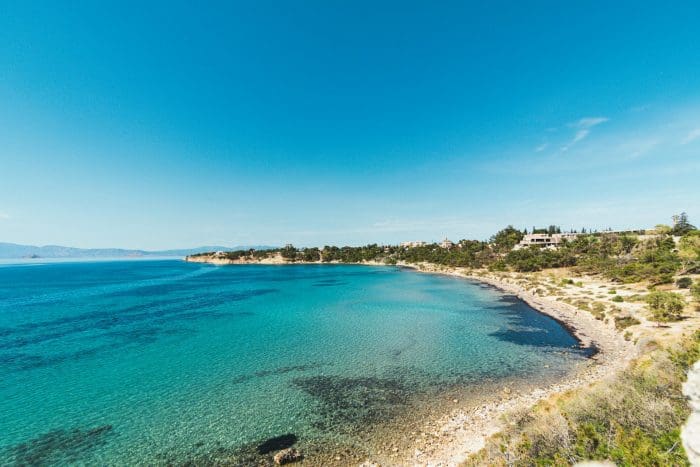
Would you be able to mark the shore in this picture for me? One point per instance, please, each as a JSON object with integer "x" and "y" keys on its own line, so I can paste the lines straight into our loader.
{"x": 465, "y": 430}
{"x": 450, "y": 439}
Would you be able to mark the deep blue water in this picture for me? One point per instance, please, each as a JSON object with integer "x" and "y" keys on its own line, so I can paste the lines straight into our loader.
{"x": 156, "y": 362}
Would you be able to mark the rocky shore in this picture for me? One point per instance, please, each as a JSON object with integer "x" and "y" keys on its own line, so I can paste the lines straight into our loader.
{"x": 465, "y": 430}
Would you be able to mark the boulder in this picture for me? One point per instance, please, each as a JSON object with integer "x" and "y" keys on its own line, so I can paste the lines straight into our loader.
{"x": 287, "y": 456}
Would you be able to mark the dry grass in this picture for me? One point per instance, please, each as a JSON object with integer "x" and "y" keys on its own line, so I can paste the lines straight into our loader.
{"x": 633, "y": 419}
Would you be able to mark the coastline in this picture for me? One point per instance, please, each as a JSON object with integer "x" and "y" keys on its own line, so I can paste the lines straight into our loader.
{"x": 464, "y": 431}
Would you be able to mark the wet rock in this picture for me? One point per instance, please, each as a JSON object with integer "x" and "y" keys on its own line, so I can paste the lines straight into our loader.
{"x": 287, "y": 456}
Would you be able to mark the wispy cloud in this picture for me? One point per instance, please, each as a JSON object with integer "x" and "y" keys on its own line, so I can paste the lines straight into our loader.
{"x": 541, "y": 147}
{"x": 589, "y": 122}
{"x": 692, "y": 136}
{"x": 636, "y": 146}
{"x": 4, "y": 216}
{"x": 583, "y": 129}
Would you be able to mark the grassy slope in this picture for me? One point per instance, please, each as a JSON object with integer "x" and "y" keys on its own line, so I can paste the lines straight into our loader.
{"x": 633, "y": 419}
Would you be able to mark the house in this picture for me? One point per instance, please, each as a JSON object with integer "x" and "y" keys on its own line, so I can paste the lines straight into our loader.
{"x": 446, "y": 243}
{"x": 412, "y": 244}
{"x": 544, "y": 240}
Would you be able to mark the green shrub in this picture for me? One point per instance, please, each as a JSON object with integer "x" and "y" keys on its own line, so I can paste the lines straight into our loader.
{"x": 622, "y": 322}
{"x": 598, "y": 310}
{"x": 695, "y": 291}
{"x": 617, "y": 299}
{"x": 665, "y": 306}
{"x": 612, "y": 291}
{"x": 684, "y": 282}
{"x": 632, "y": 420}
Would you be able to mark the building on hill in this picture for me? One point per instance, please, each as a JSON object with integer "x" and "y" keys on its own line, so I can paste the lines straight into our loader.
{"x": 413, "y": 244}
{"x": 447, "y": 243}
{"x": 544, "y": 240}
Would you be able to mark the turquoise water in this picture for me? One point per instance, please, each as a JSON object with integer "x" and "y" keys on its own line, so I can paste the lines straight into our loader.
{"x": 157, "y": 362}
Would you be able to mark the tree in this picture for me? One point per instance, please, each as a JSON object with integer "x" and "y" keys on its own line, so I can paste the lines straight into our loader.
{"x": 689, "y": 250}
{"x": 506, "y": 239}
{"x": 289, "y": 252}
{"x": 311, "y": 254}
{"x": 681, "y": 226}
{"x": 665, "y": 306}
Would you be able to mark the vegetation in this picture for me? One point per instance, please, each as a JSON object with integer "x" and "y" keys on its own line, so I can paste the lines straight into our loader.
{"x": 619, "y": 256}
{"x": 689, "y": 251}
{"x": 622, "y": 322}
{"x": 665, "y": 306}
{"x": 681, "y": 225}
{"x": 506, "y": 239}
{"x": 695, "y": 292}
{"x": 633, "y": 420}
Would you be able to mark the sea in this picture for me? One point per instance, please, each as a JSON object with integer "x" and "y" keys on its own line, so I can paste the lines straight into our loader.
{"x": 166, "y": 362}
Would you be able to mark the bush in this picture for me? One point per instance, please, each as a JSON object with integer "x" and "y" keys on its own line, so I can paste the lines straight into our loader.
{"x": 665, "y": 306}
{"x": 632, "y": 420}
{"x": 695, "y": 292}
{"x": 622, "y": 322}
{"x": 617, "y": 299}
{"x": 684, "y": 283}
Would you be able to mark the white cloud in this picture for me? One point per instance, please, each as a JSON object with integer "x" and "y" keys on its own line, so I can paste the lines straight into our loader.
{"x": 583, "y": 129}
{"x": 692, "y": 136}
{"x": 580, "y": 134}
{"x": 4, "y": 216}
{"x": 589, "y": 122}
{"x": 541, "y": 147}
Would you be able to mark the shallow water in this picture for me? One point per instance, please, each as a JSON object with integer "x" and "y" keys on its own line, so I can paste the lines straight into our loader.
{"x": 156, "y": 362}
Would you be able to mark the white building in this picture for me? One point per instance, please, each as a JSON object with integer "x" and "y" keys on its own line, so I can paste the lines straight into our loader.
{"x": 412, "y": 244}
{"x": 447, "y": 243}
{"x": 544, "y": 240}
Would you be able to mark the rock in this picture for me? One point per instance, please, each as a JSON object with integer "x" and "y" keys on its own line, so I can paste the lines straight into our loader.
{"x": 287, "y": 456}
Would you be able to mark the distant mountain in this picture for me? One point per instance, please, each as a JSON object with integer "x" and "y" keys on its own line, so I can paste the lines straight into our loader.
{"x": 13, "y": 251}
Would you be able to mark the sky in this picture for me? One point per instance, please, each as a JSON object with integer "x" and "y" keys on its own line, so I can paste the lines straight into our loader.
{"x": 174, "y": 124}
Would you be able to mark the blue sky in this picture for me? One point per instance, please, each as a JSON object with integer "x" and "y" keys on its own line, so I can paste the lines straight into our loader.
{"x": 174, "y": 125}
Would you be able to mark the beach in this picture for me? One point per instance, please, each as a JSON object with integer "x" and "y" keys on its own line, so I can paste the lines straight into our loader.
{"x": 447, "y": 439}
{"x": 465, "y": 430}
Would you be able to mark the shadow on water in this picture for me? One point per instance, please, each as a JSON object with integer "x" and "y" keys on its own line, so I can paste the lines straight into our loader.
{"x": 56, "y": 447}
{"x": 277, "y": 443}
{"x": 527, "y": 326}
{"x": 351, "y": 403}
{"x": 329, "y": 283}
{"x": 153, "y": 311}
{"x": 118, "y": 338}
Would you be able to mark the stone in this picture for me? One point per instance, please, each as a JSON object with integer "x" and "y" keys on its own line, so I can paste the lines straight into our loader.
{"x": 287, "y": 456}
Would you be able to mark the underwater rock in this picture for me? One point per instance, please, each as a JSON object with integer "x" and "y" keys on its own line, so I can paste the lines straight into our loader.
{"x": 277, "y": 443}
{"x": 62, "y": 446}
{"x": 287, "y": 456}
